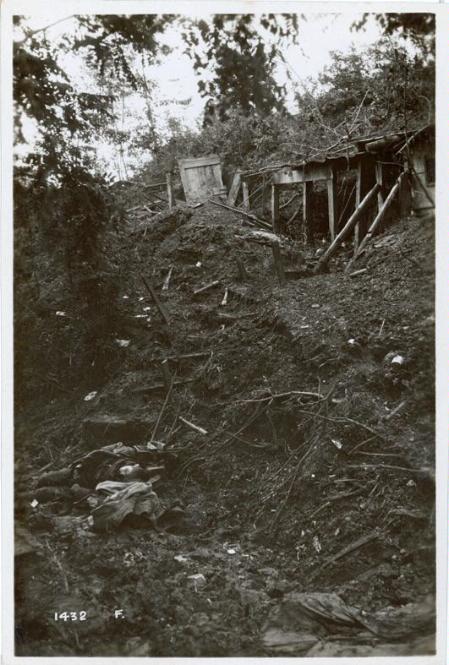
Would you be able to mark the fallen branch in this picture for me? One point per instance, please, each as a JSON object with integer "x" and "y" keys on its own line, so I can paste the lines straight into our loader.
{"x": 290, "y": 220}
{"x": 357, "y": 544}
{"x": 161, "y": 412}
{"x": 358, "y": 272}
{"x": 384, "y": 466}
{"x": 256, "y": 221}
{"x": 293, "y": 480}
{"x": 200, "y": 354}
{"x": 279, "y": 395}
{"x": 290, "y": 200}
{"x": 158, "y": 386}
{"x": 343, "y": 420}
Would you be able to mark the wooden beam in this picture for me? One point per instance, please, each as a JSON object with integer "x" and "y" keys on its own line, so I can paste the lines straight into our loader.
{"x": 380, "y": 182}
{"x": 307, "y": 211}
{"x": 275, "y": 207}
{"x": 234, "y": 191}
{"x": 332, "y": 203}
{"x": 405, "y": 194}
{"x": 245, "y": 193}
{"x": 169, "y": 191}
{"x": 352, "y": 221}
{"x": 366, "y": 177}
{"x": 293, "y": 176}
{"x": 378, "y": 219}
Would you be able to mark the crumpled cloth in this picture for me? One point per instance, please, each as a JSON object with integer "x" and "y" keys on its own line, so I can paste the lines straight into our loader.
{"x": 124, "y": 499}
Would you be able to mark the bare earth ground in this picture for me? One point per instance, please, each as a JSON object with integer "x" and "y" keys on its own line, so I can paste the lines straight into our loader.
{"x": 327, "y": 492}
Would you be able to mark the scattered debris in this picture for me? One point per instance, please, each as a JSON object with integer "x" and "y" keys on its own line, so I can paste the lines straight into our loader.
{"x": 180, "y": 558}
{"x": 225, "y": 298}
{"x": 398, "y": 360}
{"x": 316, "y": 544}
{"x": 123, "y": 342}
{"x": 198, "y": 581}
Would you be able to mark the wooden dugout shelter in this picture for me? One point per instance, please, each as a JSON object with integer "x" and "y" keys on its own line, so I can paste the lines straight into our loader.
{"x": 383, "y": 165}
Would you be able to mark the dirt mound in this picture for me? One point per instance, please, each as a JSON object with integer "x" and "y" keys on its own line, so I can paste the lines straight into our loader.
{"x": 298, "y": 418}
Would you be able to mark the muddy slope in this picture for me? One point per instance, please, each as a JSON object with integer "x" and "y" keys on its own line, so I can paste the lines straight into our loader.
{"x": 315, "y": 473}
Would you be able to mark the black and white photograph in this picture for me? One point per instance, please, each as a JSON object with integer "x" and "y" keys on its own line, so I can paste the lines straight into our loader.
{"x": 224, "y": 331}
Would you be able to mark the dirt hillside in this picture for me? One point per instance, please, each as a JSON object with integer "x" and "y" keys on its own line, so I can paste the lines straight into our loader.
{"x": 310, "y": 468}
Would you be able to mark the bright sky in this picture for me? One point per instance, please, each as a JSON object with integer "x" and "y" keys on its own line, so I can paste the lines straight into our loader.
{"x": 176, "y": 92}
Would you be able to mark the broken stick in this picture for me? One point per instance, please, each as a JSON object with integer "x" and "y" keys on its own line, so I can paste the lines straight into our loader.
{"x": 151, "y": 290}
{"x": 195, "y": 428}
{"x": 207, "y": 287}
{"x": 161, "y": 412}
{"x": 225, "y": 298}
{"x": 167, "y": 374}
{"x": 364, "y": 540}
{"x": 166, "y": 283}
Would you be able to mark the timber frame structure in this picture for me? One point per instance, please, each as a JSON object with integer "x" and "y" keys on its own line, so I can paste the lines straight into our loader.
{"x": 384, "y": 169}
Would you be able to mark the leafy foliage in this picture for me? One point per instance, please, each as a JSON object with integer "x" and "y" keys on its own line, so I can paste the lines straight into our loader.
{"x": 110, "y": 41}
{"x": 383, "y": 88}
{"x": 240, "y": 61}
{"x": 66, "y": 117}
{"x": 417, "y": 27}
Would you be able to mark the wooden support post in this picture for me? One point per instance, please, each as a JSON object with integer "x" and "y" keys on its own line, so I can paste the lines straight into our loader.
{"x": 278, "y": 261}
{"x": 424, "y": 188}
{"x": 380, "y": 182}
{"x": 307, "y": 211}
{"x": 365, "y": 179}
{"x": 245, "y": 192}
{"x": 405, "y": 194}
{"x": 234, "y": 191}
{"x": 350, "y": 224}
{"x": 378, "y": 218}
{"x": 169, "y": 191}
{"x": 332, "y": 203}
{"x": 275, "y": 208}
